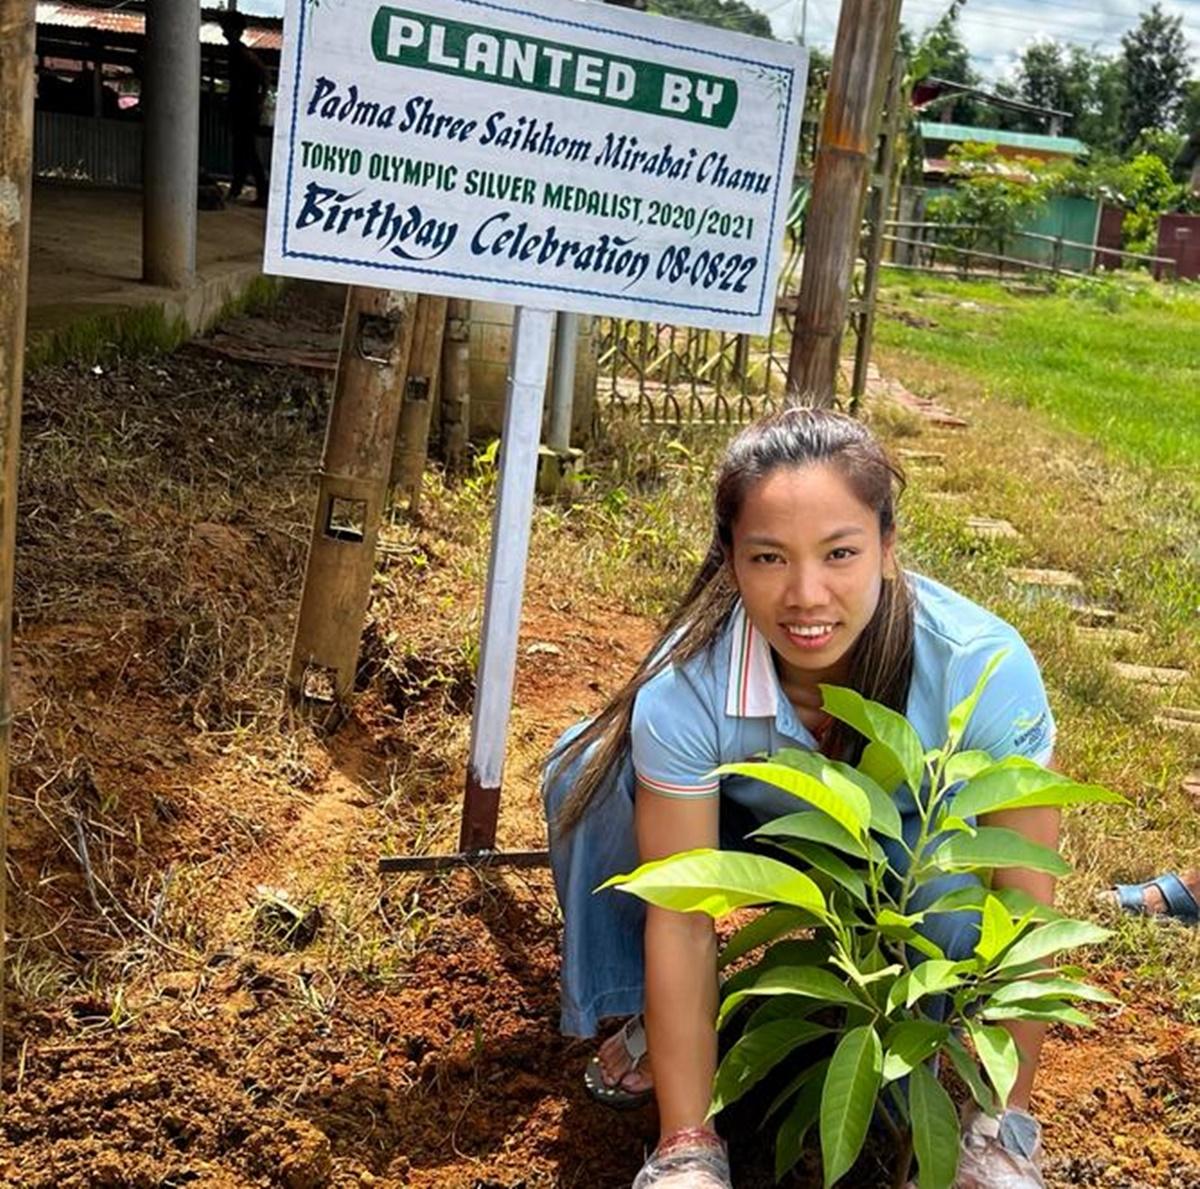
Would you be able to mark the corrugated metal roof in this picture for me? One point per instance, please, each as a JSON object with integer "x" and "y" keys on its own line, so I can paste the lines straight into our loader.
{"x": 80, "y": 16}
{"x": 1066, "y": 145}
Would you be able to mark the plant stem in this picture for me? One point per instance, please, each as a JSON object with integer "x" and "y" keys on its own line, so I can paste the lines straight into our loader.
{"x": 903, "y": 1161}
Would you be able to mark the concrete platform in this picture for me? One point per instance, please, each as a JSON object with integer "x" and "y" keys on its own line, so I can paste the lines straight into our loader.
{"x": 85, "y": 259}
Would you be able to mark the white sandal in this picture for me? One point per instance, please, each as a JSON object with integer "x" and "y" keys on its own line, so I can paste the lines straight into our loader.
{"x": 633, "y": 1038}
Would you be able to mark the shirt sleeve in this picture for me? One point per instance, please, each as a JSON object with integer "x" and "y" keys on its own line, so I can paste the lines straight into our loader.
{"x": 1013, "y": 715}
{"x": 673, "y": 737}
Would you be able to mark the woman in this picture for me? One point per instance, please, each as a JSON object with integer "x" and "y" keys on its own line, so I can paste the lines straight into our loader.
{"x": 800, "y": 586}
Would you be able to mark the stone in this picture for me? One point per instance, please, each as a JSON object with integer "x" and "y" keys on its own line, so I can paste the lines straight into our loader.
{"x": 558, "y": 471}
{"x": 1109, "y": 637}
{"x": 1179, "y": 718}
{"x": 1191, "y": 785}
{"x": 992, "y": 530}
{"x": 1151, "y": 674}
{"x": 1092, "y": 615}
{"x": 1059, "y": 579}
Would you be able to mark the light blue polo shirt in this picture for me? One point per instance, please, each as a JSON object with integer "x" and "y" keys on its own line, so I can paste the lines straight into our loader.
{"x": 726, "y": 704}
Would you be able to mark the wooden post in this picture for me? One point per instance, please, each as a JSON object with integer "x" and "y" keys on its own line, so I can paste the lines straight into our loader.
{"x": 420, "y": 388}
{"x": 881, "y": 195}
{"x": 355, "y": 467}
{"x": 862, "y": 56}
{"x": 511, "y": 526}
{"x": 456, "y": 385}
{"x": 16, "y": 169}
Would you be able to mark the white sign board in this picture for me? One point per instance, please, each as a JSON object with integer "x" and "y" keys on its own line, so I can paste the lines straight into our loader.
{"x": 548, "y": 153}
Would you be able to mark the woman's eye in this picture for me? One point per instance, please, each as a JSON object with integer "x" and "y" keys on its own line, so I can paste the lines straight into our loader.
{"x": 842, "y": 554}
{"x": 767, "y": 558}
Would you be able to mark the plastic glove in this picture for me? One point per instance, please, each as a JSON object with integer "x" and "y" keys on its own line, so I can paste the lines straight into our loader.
{"x": 1001, "y": 1153}
{"x": 694, "y": 1158}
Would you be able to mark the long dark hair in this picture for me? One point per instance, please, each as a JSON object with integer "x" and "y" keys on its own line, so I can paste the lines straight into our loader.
{"x": 881, "y": 661}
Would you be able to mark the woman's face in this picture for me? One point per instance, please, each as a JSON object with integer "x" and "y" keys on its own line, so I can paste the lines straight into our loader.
{"x": 809, "y": 559}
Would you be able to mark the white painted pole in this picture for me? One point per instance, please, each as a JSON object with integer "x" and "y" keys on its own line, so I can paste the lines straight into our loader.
{"x": 562, "y": 401}
{"x": 511, "y": 526}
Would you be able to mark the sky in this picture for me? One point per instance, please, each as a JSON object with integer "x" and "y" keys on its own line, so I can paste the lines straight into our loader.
{"x": 995, "y": 31}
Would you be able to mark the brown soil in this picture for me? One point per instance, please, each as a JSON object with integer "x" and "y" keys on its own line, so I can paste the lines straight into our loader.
{"x": 159, "y": 1034}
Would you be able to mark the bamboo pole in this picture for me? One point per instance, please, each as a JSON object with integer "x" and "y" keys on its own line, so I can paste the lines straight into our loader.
{"x": 881, "y": 197}
{"x": 356, "y": 464}
{"x": 862, "y": 57}
{"x": 16, "y": 168}
{"x": 420, "y": 390}
{"x": 456, "y": 386}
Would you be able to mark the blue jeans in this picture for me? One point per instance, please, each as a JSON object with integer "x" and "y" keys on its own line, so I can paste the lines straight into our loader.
{"x": 603, "y": 971}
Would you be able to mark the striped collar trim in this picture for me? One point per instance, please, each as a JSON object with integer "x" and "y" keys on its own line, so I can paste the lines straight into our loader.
{"x": 753, "y": 690}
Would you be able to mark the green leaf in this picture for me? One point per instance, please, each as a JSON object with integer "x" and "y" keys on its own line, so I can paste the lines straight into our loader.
{"x": 897, "y": 744}
{"x": 781, "y": 1007}
{"x": 902, "y": 928}
{"x": 848, "y": 1099}
{"x": 996, "y": 846}
{"x": 806, "y": 981}
{"x": 884, "y": 767}
{"x": 973, "y": 896}
{"x": 966, "y": 1068}
{"x": 1018, "y": 783}
{"x": 813, "y": 826}
{"x": 935, "y": 1130}
{"x": 825, "y": 861}
{"x": 789, "y": 1139}
{"x": 718, "y": 881}
{"x": 847, "y": 804}
{"x": 791, "y": 951}
{"x": 1049, "y": 939}
{"x": 885, "y": 817}
{"x": 997, "y": 929}
{"x": 1048, "y": 1011}
{"x": 930, "y": 978}
{"x": 955, "y": 824}
{"x": 961, "y": 714}
{"x": 766, "y": 927}
{"x": 909, "y": 1044}
{"x": 998, "y": 1054}
{"x": 755, "y": 1054}
{"x": 962, "y": 765}
{"x": 1041, "y": 988}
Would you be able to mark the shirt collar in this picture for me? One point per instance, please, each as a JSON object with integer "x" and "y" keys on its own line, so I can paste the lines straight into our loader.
{"x": 753, "y": 689}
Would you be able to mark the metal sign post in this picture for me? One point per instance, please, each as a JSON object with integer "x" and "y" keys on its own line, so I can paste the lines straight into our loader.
{"x": 511, "y": 526}
{"x": 548, "y": 155}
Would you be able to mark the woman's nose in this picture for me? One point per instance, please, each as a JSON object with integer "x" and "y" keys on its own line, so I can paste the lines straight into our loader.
{"x": 806, "y": 587}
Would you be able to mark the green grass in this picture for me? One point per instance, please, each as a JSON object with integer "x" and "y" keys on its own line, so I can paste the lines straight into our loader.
{"x": 1118, "y": 361}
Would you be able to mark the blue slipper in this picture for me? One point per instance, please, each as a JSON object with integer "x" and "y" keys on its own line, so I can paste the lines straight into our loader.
{"x": 1181, "y": 904}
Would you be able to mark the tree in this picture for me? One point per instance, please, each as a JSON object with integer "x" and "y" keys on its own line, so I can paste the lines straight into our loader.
{"x": 1099, "y": 124}
{"x": 1156, "y": 68}
{"x": 1189, "y": 118}
{"x": 724, "y": 14}
{"x": 944, "y": 55}
{"x": 1044, "y": 78}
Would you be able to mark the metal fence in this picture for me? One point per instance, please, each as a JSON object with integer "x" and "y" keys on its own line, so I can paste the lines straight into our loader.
{"x": 108, "y": 152}
{"x": 664, "y": 374}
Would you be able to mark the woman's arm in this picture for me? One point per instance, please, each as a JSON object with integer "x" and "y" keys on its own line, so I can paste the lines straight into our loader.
{"x": 681, "y": 966}
{"x": 1040, "y": 826}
